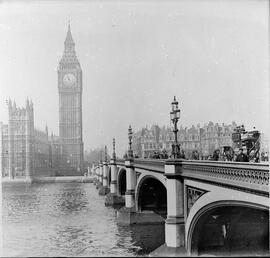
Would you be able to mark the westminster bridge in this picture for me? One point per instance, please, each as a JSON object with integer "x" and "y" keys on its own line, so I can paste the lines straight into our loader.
{"x": 208, "y": 207}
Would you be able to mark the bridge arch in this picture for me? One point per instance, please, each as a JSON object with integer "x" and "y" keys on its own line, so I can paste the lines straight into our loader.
{"x": 229, "y": 227}
{"x": 121, "y": 181}
{"x": 151, "y": 195}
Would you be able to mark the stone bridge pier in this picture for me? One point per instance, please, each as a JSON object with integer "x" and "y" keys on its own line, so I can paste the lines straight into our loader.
{"x": 175, "y": 222}
{"x": 124, "y": 190}
{"x": 98, "y": 172}
{"x": 104, "y": 188}
{"x": 113, "y": 198}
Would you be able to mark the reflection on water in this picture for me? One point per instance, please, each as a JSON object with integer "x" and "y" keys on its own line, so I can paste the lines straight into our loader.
{"x": 68, "y": 219}
{"x": 146, "y": 237}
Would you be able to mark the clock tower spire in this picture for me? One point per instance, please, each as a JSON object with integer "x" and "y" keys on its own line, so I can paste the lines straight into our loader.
{"x": 70, "y": 107}
{"x": 69, "y": 55}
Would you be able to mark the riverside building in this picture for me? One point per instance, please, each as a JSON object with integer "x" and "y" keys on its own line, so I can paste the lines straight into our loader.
{"x": 203, "y": 139}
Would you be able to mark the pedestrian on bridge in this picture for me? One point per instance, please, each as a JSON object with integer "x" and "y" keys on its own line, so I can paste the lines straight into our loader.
{"x": 216, "y": 155}
{"x": 241, "y": 157}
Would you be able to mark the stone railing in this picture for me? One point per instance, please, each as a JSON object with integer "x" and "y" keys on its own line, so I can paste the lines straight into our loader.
{"x": 155, "y": 165}
{"x": 120, "y": 162}
{"x": 245, "y": 176}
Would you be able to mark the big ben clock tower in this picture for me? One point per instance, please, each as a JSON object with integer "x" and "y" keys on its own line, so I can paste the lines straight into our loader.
{"x": 70, "y": 107}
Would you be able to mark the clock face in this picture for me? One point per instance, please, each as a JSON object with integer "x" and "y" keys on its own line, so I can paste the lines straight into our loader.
{"x": 69, "y": 79}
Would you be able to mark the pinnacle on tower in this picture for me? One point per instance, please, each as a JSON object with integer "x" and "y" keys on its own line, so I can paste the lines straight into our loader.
{"x": 46, "y": 130}
{"x": 9, "y": 103}
{"x": 69, "y": 55}
{"x": 69, "y": 40}
{"x": 27, "y": 103}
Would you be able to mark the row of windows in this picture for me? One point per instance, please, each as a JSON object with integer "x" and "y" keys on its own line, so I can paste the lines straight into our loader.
{"x": 70, "y": 132}
{"x": 41, "y": 149}
{"x": 67, "y": 66}
{"x": 204, "y": 144}
{"x": 41, "y": 161}
{"x": 69, "y": 101}
{"x": 71, "y": 116}
{"x": 183, "y": 137}
{"x": 167, "y": 145}
{"x": 185, "y": 141}
{"x": 152, "y": 146}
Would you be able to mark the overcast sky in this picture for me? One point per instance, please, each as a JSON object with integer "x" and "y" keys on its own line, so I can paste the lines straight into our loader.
{"x": 135, "y": 56}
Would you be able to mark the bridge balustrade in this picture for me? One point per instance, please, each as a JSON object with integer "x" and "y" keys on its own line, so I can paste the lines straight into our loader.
{"x": 154, "y": 165}
{"x": 120, "y": 162}
{"x": 248, "y": 176}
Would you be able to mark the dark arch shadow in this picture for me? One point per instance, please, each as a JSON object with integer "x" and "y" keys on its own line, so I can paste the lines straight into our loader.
{"x": 231, "y": 230}
{"x": 122, "y": 184}
{"x": 152, "y": 196}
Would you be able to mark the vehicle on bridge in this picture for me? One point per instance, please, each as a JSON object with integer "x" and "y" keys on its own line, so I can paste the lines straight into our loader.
{"x": 249, "y": 141}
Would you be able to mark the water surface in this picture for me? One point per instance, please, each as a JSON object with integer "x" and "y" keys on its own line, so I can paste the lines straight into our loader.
{"x": 68, "y": 219}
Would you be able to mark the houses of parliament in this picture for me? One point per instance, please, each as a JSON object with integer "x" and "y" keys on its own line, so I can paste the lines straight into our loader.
{"x": 27, "y": 152}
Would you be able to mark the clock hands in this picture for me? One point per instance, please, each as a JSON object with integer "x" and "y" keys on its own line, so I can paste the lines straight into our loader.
{"x": 69, "y": 79}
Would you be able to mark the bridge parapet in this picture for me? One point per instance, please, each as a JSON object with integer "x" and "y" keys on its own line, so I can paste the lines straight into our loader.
{"x": 120, "y": 162}
{"x": 252, "y": 177}
{"x": 154, "y": 165}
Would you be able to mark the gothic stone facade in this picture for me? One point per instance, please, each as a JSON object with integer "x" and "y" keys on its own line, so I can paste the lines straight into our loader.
{"x": 25, "y": 151}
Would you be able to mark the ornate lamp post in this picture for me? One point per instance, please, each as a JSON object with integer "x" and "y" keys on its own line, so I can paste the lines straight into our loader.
{"x": 114, "y": 154}
{"x": 130, "y": 151}
{"x": 175, "y": 116}
{"x": 101, "y": 156}
{"x": 100, "y": 170}
{"x": 105, "y": 153}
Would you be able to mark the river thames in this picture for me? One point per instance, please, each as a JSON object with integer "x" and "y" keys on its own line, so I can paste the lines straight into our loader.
{"x": 68, "y": 219}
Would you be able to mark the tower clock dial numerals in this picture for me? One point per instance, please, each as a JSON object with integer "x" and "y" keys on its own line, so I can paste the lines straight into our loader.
{"x": 69, "y": 79}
